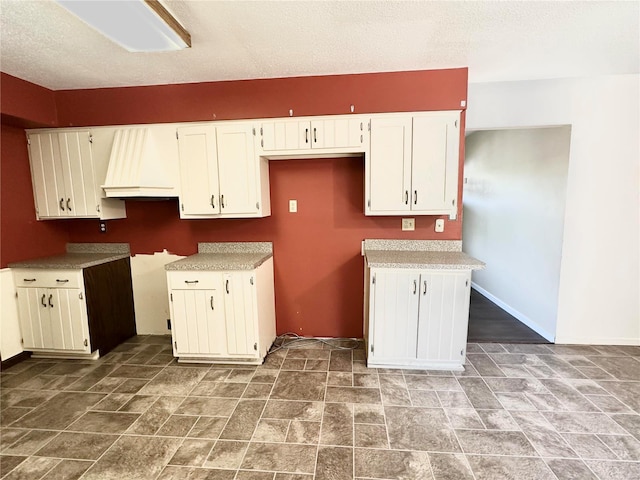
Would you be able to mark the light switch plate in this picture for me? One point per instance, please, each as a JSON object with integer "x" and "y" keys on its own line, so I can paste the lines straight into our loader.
{"x": 293, "y": 206}
{"x": 408, "y": 224}
{"x": 440, "y": 225}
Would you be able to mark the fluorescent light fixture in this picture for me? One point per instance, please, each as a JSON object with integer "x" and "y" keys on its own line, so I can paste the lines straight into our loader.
{"x": 137, "y": 25}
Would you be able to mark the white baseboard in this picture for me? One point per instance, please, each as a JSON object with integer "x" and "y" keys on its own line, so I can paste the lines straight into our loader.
{"x": 515, "y": 313}
{"x": 571, "y": 340}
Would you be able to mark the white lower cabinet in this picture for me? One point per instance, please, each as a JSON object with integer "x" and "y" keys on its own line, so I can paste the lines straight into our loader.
{"x": 417, "y": 318}
{"x": 222, "y": 316}
{"x": 53, "y": 316}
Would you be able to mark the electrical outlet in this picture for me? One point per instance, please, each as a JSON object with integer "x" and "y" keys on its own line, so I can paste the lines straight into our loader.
{"x": 408, "y": 224}
{"x": 103, "y": 227}
{"x": 440, "y": 225}
{"x": 293, "y": 206}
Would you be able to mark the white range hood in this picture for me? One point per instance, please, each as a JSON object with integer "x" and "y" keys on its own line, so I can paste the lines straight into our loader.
{"x": 139, "y": 166}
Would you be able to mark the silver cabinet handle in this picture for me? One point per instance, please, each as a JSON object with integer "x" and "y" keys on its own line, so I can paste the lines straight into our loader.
{"x": 415, "y": 197}
{"x": 226, "y": 286}
{"x": 306, "y": 135}
{"x": 42, "y": 300}
{"x": 415, "y": 287}
{"x": 62, "y": 281}
{"x": 28, "y": 279}
{"x": 424, "y": 291}
{"x": 406, "y": 197}
{"x": 50, "y": 298}
{"x": 212, "y": 205}
{"x": 68, "y": 202}
{"x": 191, "y": 281}
{"x": 62, "y": 204}
{"x": 212, "y": 302}
{"x": 315, "y": 137}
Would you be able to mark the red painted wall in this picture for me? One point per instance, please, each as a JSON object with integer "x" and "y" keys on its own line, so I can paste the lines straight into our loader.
{"x": 26, "y": 104}
{"x": 318, "y": 267}
{"x": 22, "y": 237}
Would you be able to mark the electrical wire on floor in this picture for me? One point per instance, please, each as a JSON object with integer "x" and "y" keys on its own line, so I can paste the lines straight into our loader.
{"x": 293, "y": 340}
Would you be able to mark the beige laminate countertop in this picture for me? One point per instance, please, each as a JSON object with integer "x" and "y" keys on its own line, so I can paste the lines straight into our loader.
{"x": 78, "y": 256}
{"x": 225, "y": 256}
{"x": 422, "y": 259}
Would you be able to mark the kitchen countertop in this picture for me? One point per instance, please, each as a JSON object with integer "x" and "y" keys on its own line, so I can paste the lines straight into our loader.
{"x": 78, "y": 256}
{"x": 431, "y": 254}
{"x": 225, "y": 256}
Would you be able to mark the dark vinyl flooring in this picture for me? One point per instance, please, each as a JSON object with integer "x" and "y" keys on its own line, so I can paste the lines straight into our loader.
{"x": 489, "y": 323}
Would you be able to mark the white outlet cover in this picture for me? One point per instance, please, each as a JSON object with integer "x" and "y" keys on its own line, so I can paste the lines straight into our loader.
{"x": 439, "y": 225}
{"x": 408, "y": 224}
{"x": 293, "y": 206}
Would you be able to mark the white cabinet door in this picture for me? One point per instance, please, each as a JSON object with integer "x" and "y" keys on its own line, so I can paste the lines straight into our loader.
{"x": 284, "y": 135}
{"x": 53, "y": 319}
{"x": 444, "y": 316}
{"x": 389, "y": 166}
{"x": 33, "y": 312}
{"x": 434, "y": 166}
{"x": 237, "y": 169}
{"x": 44, "y": 153}
{"x": 78, "y": 174}
{"x": 337, "y": 132}
{"x": 198, "y": 322}
{"x": 199, "y": 191}
{"x": 394, "y": 316}
{"x": 68, "y": 319}
{"x": 240, "y": 313}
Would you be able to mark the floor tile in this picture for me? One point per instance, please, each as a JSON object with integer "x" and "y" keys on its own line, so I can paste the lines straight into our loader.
{"x": 222, "y": 407}
{"x": 270, "y": 430}
{"x": 614, "y": 470}
{"x": 631, "y": 423}
{"x": 30, "y": 443}
{"x": 156, "y": 415}
{"x": 177, "y": 426}
{"x": 492, "y": 442}
{"x": 479, "y": 394}
{"x": 303, "y": 432}
{"x": 450, "y": 467}
{"x": 570, "y": 422}
{"x": 208, "y": 427}
{"x": 589, "y": 446}
{"x": 337, "y": 424}
{"x": 334, "y": 463}
{"x": 292, "y": 410}
{"x": 32, "y": 468}
{"x": 226, "y": 454}
{"x": 371, "y": 436}
{"x": 132, "y": 457}
{"x": 243, "y": 420}
{"x": 419, "y": 428}
{"x": 79, "y": 446}
{"x": 624, "y": 446}
{"x": 353, "y": 395}
{"x": 104, "y": 422}
{"x": 509, "y": 468}
{"x": 68, "y": 470}
{"x": 173, "y": 381}
{"x": 192, "y": 453}
{"x": 9, "y": 462}
{"x": 136, "y": 371}
{"x": 280, "y": 457}
{"x": 568, "y": 469}
{"x": 392, "y": 465}
{"x": 60, "y": 411}
{"x": 300, "y": 386}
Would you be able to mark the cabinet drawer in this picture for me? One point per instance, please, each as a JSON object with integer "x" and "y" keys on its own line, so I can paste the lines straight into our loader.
{"x": 48, "y": 278}
{"x": 194, "y": 280}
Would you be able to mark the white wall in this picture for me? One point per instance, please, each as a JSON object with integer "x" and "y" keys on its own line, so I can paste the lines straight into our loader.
{"x": 150, "y": 293}
{"x": 514, "y": 203}
{"x": 599, "y": 300}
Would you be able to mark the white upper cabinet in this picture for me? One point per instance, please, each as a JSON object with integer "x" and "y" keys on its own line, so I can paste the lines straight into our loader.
{"x": 199, "y": 189}
{"x": 67, "y": 169}
{"x": 220, "y": 174}
{"x": 336, "y": 134}
{"x": 413, "y": 164}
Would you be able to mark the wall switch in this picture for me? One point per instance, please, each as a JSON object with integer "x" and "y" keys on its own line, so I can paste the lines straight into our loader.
{"x": 440, "y": 225}
{"x": 408, "y": 224}
{"x": 293, "y": 206}
{"x": 103, "y": 227}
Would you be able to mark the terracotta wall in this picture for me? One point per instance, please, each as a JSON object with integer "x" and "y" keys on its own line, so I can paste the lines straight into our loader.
{"x": 318, "y": 267}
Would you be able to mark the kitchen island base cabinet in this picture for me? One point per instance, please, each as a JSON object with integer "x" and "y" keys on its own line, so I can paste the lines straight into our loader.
{"x": 417, "y": 319}
{"x": 79, "y": 313}
{"x": 222, "y": 317}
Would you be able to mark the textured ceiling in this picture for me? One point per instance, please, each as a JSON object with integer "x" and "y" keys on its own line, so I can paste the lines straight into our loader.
{"x": 510, "y": 40}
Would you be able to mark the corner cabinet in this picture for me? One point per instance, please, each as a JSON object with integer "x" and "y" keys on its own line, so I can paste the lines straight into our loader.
{"x": 226, "y": 317}
{"x": 416, "y": 318}
{"x": 68, "y": 168}
{"x": 75, "y": 313}
{"x": 220, "y": 174}
{"x": 413, "y": 164}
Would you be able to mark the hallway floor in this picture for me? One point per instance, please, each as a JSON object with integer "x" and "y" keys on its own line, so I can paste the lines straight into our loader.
{"x": 519, "y": 411}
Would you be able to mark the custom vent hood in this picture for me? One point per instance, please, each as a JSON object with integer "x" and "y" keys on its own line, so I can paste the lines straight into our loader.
{"x": 138, "y": 166}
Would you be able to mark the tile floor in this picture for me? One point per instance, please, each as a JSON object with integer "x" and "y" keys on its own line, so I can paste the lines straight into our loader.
{"x": 518, "y": 412}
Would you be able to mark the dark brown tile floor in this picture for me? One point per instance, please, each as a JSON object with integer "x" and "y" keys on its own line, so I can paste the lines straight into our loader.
{"x": 519, "y": 411}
